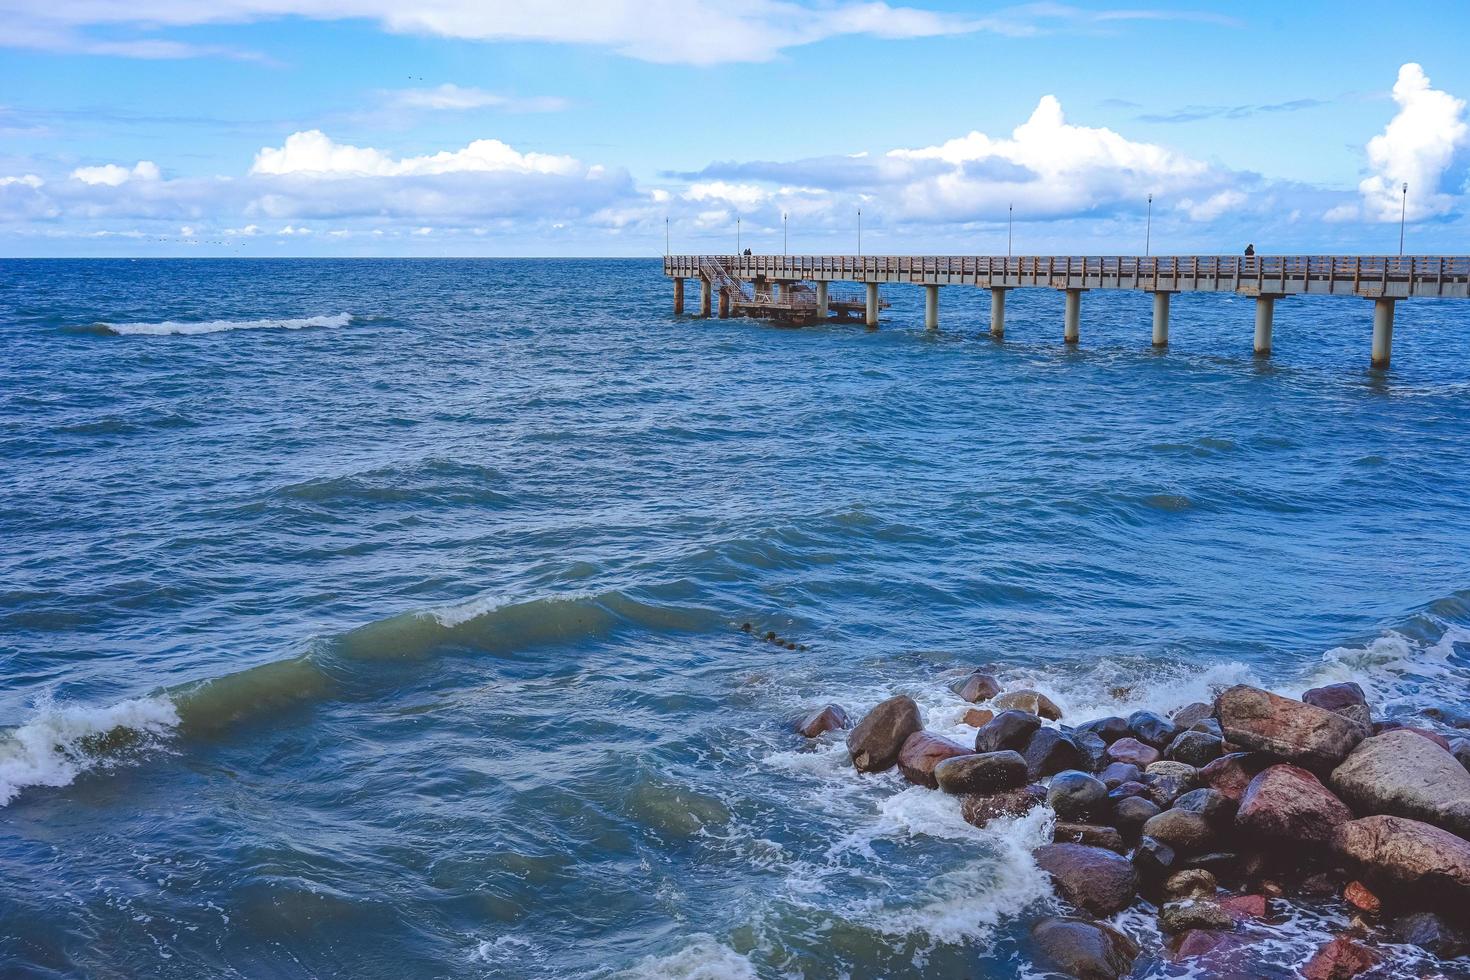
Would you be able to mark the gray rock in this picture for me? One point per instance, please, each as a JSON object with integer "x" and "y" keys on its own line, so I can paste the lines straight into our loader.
{"x": 1087, "y": 950}
{"x": 1300, "y": 733}
{"x": 1192, "y": 714}
{"x": 1177, "y": 917}
{"x": 1184, "y": 832}
{"x": 977, "y": 687}
{"x": 1152, "y": 729}
{"x": 1359, "y": 715}
{"x": 1193, "y": 883}
{"x": 986, "y": 772}
{"x": 1154, "y": 860}
{"x": 1210, "y": 726}
{"x": 1094, "y": 750}
{"x": 1078, "y": 797}
{"x": 1402, "y": 774}
{"x": 1197, "y": 749}
{"x": 1421, "y": 863}
{"x": 875, "y": 743}
{"x": 1131, "y": 813}
{"x": 1211, "y": 804}
{"x": 1007, "y": 730}
{"x": 1115, "y": 774}
{"x": 1167, "y": 781}
{"x": 1108, "y": 729}
{"x": 1431, "y": 933}
{"x": 1091, "y": 834}
{"x": 1050, "y": 751}
{"x": 1094, "y": 879}
{"x": 1460, "y": 749}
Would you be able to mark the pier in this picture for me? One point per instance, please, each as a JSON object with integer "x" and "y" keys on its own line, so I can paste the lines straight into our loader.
{"x": 796, "y": 289}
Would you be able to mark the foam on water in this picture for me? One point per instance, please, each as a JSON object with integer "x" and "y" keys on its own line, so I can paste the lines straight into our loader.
{"x": 702, "y": 958}
{"x": 60, "y": 742}
{"x": 170, "y": 327}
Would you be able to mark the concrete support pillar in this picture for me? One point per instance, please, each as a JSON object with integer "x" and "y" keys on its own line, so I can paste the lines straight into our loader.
{"x": 1265, "y": 312}
{"x": 997, "y": 313}
{"x": 1072, "y": 319}
{"x": 931, "y": 307}
{"x": 724, "y": 304}
{"x": 822, "y": 309}
{"x": 775, "y": 291}
{"x": 704, "y": 288}
{"x": 1161, "y": 319}
{"x": 872, "y": 311}
{"x": 678, "y": 297}
{"x": 1382, "y": 331}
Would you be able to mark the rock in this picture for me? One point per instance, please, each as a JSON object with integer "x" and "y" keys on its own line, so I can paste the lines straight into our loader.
{"x": 1087, "y": 950}
{"x": 1193, "y": 913}
{"x": 1361, "y": 898}
{"x": 1194, "y": 883}
{"x": 1107, "y": 729}
{"x": 1093, "y": 749}
{"x": 981, "y": 808}
{"x": 875, "y": 743}
{"x": 1184, "y": 832}
{"x": 1341, "y": 959}
{"x": 1095, "y": 880}
{"x": 1033, "y": 702}
{"x": 1192, "y": 714}
{"x": 828, "y": 718}
{"x": 1446, "y": 715}
{"x": 1049, "y": 751}
{"x": 1093, "y": 835}
{"x": 1077, "y": 796}
{"x": 1414, "y": 859}
{"x": 1167, "y": 781}
{"x": 1335, "y": 696}
{"x": 1198, "y": 749}
{"x": 1154, "y": 860}
{"x": 1244, "y": 907}
{"x": 1319, "y": 885}
{"x": 1226, "y": 866}
{"x": 1211, "y": 804}
{"x": 1231, "y": 774}
{"x": 985, "y": 772}
{"x": 1432, "y": 933}
{"x": 1007, "y": 730}
{"x": 1401, "y": 774}
{"x": 977, "y": 717}
{"x": 1210, "y": 726}
{"x": 921, "y": 752}
{"x": 1131, "y": 813}
{"x": 1207, "y": 944}
{"x": 1132, "y": 751}
{"x": 1460, "y": 749}
{"x": 1286, "y": 805}
{"x": 1117, "y": 773}
{"x": 1152, "y": 729}
{"x": 1127, "y": 790}
{"x": 1434, "y": 737}
{"x": 1300, "y": 733}
{"x": 1359, "y": 715}
{"x": 979, "y": 686}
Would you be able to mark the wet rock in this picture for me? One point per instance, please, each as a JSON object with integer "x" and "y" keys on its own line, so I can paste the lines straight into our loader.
{"x": 1203, "y": 944}
{"x": 1197, "y": 749}
{"x": 1447, "y": 715}
{"x": 1193, "y": 883}
{"x": 1245, "y": 907}
{"x": 1432, "y": 933}
{"x": 828, "y": 718}
{"x": 986, "y": 772}
{"x": 1133, "y": 752}
{"x": 921, "y": 752}
{"x": 1095, "y": 880}
{"x": 1211, "y": 804}
{"x": 1360, "y": 897}
{"x": 1401, "y": 774}
{"x": 979, "y": 686}
{"x": 1359, "y": 715}
{"x": 1131, "y": 813}
{"x": 1341, "y": 959}
{"x": 1287, "y": 805}
{"x": 978, "y": 717}
{"x": 1117, "y": 773}
{"x": 1167, "y": 781}
{"x": 1152, "y": 729}
{"x": 1184, "y": 832}
{"x": 981, "y": 808}
{"x": 1228, "y": 867}
{"x": 1319, "y": 884}
{"x": 1299, "y": 733}
{"x": 1210, "y": 726}
{"x": 875, "y": 743}
{"x": 1193, "y": 913}
{"x": 1460, "y": 749}
{"x": 1050, "y": 751}
{"x": 1418, "y": 861}
{"x": 1033, "y": 702}
{"x": 1107, "y": 729}
{"x": 1087, "y": 950}
{"x": 1231, "y": 774}
{"x": 1192, "y": 714}
{"x": 1154, "y": 860}
{"x": 1093, "y": 835}
{"x": 1076, "y": 796}
{"x": 1007, "y": 730}
{"x": 1093, "y": 749}
{"x": 1334, "y": 696}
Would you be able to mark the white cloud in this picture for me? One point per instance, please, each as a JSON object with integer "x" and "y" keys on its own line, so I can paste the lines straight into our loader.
{"x": 112, "y": 175}
{"x": 454, "y": 98}
{"x": 292, "y": 230}
{"x": 1213, "y": 206}
{"x": 1417, "y": 147}
{"x": 28, "y": 180}
{"x": 187, "y": 231}
{"x": 313, "y": 153}
{"x": 249, "y": 231}
{"x": 423, "y": 231}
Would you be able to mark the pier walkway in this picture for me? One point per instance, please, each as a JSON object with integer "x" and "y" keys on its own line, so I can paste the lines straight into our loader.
{"x": 778, "y": 284}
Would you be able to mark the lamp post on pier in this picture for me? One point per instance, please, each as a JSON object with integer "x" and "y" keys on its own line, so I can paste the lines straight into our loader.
{"x": 783, "y": 233}
{"x": 1010, "y": 219}
{"x": 1403, "y": 213}
{"x": 1148, "y": 229}
{"x": 860, "y": 232}
{"x": 666, "y": 237}
{"x": 737, "y": 235}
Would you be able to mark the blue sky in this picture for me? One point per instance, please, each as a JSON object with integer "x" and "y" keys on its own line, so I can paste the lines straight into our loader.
{"x": 475, "y": 127}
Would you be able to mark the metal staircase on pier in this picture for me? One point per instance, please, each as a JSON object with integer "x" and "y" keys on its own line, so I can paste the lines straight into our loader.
{"x": 712, "y": 269}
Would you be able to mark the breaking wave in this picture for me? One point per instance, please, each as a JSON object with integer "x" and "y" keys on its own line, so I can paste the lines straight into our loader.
{"x": 170, "y": 327}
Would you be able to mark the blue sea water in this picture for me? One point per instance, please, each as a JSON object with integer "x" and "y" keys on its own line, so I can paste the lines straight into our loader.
{"x": 383, "y": 618}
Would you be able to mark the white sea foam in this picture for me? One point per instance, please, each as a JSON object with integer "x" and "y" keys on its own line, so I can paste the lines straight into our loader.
{"x": 457, "y": 615}
{"x": 167, "y": 327}
{"x": 1397, "y": 671}
{"x": 53, "y": 748}
{"x": 702, "y": 958}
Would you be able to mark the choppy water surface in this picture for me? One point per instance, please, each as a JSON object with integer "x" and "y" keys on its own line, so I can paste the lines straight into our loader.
{"x": 381, "y": 619}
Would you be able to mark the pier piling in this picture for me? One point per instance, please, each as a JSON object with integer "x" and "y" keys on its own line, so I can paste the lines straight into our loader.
{"x": 1382, "y": 331}
{"x": 871, "y": 308}
{"x": 998, "y": 313}
{"x": 678, "y": 296}
{"x": 1072, "y": 318}
{"x": 823, "y": 310}
{"x": 1161, "y": 319}
{"x": 1265, "y": 313}
{"x": 704, "y": 289}
{"x": 931, "y": 307}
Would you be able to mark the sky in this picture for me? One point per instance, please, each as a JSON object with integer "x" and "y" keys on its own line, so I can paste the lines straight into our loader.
{"x": 619, "y": 128}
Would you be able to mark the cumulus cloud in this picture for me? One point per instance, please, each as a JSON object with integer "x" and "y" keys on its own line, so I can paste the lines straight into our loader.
{"x": 312, "y": 152}
{"x": 112, "y": 175}
{"x": 27, "y": 180}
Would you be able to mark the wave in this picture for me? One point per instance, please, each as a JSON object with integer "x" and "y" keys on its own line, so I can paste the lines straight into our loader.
{"x": 170, "y": 327}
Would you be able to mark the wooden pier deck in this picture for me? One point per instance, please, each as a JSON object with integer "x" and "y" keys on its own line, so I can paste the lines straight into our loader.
{"x": 775, "y": 285}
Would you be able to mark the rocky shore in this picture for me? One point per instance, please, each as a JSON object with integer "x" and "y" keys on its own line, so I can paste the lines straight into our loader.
{"x": 1213, "y": 817}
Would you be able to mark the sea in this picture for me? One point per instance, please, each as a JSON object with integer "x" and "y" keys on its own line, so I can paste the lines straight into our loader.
{"x": 409, "y": 618}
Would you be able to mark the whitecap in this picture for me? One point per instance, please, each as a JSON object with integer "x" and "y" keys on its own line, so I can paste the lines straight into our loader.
{"x": 702, "y": 958}
{"x": 169, "y": 327}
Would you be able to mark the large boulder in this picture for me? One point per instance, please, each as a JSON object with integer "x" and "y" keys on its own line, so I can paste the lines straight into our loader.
{"x": 1095, "y": 880}
{"x": 828, "y": 718}
{"x": 876, "y": 741}
{"x": 1287, "y": 805}
{"x": 1300, "y": 733}
{"x": 979, "y": 686}
{"x": 1077, "y": 796}
{"x": 1401, "y": 774}
{"x": 1087, "y": 950}
{"x": 1418, "y": 861}
{"x": 1050, "y": 751}
{"x": 1152, "y": 729}
{"x": 1033, "y": 702}
{"x": 985, "y": 772}
{"x": 1007, "y": 730}
{"x": 1231, "y": 774}
{"x": 981, "y": 808}
{"x": 921, "y": 752}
